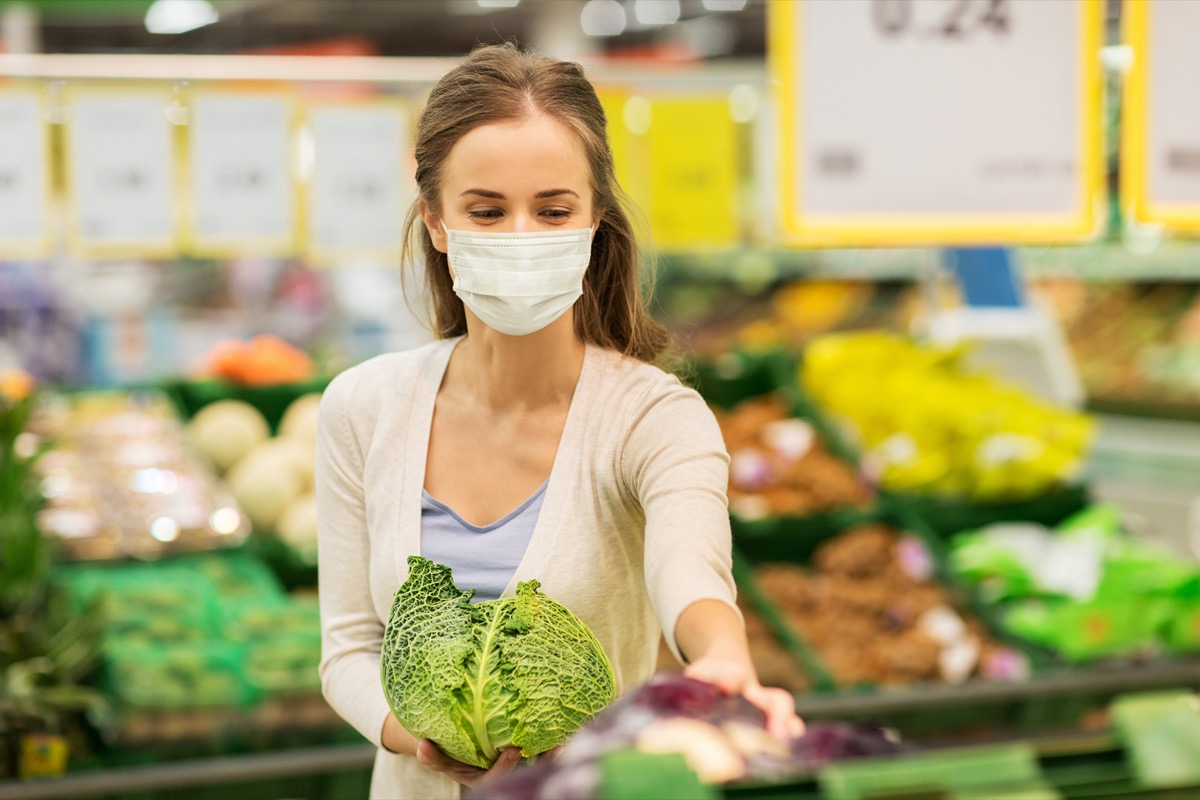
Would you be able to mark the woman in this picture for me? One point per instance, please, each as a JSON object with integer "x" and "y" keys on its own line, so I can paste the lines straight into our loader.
{"x": 539, "y": 396}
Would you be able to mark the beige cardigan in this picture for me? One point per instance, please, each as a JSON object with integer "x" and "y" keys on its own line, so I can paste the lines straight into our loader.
{"x": 633, "y": 529}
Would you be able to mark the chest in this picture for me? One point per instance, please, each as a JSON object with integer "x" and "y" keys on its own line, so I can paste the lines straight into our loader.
{"x": 484, "y": 467}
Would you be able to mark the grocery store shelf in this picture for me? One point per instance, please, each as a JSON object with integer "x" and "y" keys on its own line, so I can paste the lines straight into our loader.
{"x": 403, "y": 70}
{"x": 1102, "y": 261}
{"x": 199, "y": 772}
{"x": 1068, "y": 683}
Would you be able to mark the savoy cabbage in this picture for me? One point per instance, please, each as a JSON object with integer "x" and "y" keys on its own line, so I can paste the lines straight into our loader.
{"x": 479, "y": 678}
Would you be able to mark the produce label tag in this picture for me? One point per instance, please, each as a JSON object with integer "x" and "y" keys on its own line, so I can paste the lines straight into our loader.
{"x": 43, "y": 755}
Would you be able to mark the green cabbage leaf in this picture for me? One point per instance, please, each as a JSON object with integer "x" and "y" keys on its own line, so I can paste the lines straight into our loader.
{"x": 479, "y": 678}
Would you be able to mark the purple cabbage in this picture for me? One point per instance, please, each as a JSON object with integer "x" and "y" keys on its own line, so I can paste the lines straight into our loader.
{"x": 671, "y": 713}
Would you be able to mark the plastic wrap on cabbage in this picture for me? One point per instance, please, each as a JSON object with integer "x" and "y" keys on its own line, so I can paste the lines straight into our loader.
{"x": 722, "y": 738}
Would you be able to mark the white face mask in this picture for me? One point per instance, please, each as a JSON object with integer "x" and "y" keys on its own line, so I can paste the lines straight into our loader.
{"x": 519, "y": 283}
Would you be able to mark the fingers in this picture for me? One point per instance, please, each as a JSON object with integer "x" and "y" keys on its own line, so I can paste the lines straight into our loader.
{"x": 780, "y": 709}
{"x": 431, "y": 756}
{"x": 507, "y": 762}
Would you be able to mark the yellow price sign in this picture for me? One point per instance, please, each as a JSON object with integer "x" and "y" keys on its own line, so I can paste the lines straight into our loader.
{"x": 693, "y": 173}
{"x": 927, "y": 122}
{"x": 121, "y": 170}
{"x": 362, "y": 181}
{"x": 242, "y": 198}
{"x": 1160, "y": 136}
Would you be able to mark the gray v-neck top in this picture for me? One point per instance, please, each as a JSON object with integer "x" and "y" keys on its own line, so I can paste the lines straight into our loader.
{"x": 483, "y": 558}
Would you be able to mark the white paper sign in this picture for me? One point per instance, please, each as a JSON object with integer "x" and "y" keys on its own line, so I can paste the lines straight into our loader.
{"x": 937, "y": 121}
{"x": 358, "y": 194}
{"x": 241, "y": 181}
{"x": 23, "y": 179}
{"x": 1162, "y": 117}
{"x": 122, "y": 171}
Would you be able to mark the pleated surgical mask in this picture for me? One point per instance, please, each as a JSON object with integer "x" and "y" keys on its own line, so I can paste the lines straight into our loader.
{"x": 518, "y": 283}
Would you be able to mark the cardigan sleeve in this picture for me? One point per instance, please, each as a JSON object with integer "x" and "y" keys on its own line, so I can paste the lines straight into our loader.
{"x": 351, "y": 631}
{"x": 675, "y": 463}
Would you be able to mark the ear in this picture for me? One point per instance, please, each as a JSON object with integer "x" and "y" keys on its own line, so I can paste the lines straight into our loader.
{"x": 433, "y": 224}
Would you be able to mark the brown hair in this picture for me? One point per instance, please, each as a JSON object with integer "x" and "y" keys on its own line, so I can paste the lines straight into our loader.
{"x": 500, "y": 82}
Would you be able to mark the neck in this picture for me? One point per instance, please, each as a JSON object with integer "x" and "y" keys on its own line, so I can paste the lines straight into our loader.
{"x": 511, "y": 373}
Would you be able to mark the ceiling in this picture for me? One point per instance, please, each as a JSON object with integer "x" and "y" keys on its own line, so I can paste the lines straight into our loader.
{"x": 397, "y": 27}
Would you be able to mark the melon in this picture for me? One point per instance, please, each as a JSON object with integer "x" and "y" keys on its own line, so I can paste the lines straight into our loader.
{"x": 298, "y": 526}
{"x": 299, "y": 421}
{"x": 225, "y": 431}
{"x": 265, "y": 482}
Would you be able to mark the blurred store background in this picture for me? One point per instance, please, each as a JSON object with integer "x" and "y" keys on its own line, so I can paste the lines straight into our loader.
{"x": 933, "y": 262}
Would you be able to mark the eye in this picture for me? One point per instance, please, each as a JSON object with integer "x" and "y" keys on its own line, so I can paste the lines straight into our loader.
{"x": 557, "y": 213}
{"x": 485, "y": 214}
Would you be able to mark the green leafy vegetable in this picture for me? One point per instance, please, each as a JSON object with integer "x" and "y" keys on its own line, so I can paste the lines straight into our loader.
{"x": 479, "y": 678}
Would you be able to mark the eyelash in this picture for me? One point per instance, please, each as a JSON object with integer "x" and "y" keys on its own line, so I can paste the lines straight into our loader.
{"x": 495, "y": 213}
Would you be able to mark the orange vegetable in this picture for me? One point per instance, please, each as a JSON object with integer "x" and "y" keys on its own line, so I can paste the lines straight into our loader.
{"x": 263, "y": 361}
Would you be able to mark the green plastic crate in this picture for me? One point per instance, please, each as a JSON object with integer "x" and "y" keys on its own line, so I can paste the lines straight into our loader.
{"x": 191, "y": 396}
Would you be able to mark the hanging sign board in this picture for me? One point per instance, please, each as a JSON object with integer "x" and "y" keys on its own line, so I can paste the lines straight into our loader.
{"x": 693, "y": 173}
{"x": 1160, "y": 137}
{"x": 122, "y": 186}
{"x": 24, "y": 176}
{"x": 242, "y": 198}
{"x": 360, "y": 190}
{"x": 906, "y": 122}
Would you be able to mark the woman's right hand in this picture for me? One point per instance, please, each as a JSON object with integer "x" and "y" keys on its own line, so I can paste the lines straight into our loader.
{"x": 430, "y": 755}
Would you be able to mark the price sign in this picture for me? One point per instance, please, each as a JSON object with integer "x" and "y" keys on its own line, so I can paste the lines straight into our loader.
{"x": 905, "y": 122}
{"x": 24, "y": 176}
{"x": 360, "y": 189}
{"x": 1160, "y": 137}
{"x": 121, "y": 174}
{"x": 693, "y": 173}
{"x": 242, "y": 198}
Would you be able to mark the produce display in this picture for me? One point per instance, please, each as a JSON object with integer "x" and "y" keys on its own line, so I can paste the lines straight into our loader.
{"x": 715, "y": 318}
{"x": 263, "y": 361}
{"x": 195, "y": 644}
{"x": 779, "y": 466}
{"x": 1085, "y": 588}
{"x": 927, "y": 425}
{"x": 122, "y": 481}
{"x": 718, "y": 738}
{"x": 1135, "y": 343}
{"x": 479, "y": 678}
{"x": 874, "y": 613}
{"x": 270, "y": 477}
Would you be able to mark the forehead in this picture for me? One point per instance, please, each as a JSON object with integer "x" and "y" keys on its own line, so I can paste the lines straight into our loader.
{"x": 515, "y": 157}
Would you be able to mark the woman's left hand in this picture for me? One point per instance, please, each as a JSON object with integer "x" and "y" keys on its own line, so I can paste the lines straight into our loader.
{"x": 735, "y": 675}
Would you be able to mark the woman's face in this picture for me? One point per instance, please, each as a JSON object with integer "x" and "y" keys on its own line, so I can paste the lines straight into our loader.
{"x": 514, "y": 176}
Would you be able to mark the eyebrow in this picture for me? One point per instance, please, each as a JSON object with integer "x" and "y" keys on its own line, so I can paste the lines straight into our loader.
{"x": 540, "y": 195}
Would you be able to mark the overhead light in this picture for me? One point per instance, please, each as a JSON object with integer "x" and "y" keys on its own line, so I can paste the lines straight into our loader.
{"x": 490, "y": 4}
{"x": 656, "y": 12}
{"x": 724, "y": 5}
{"x": 179, "y": 16}
{"x": 602, "y": 18}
